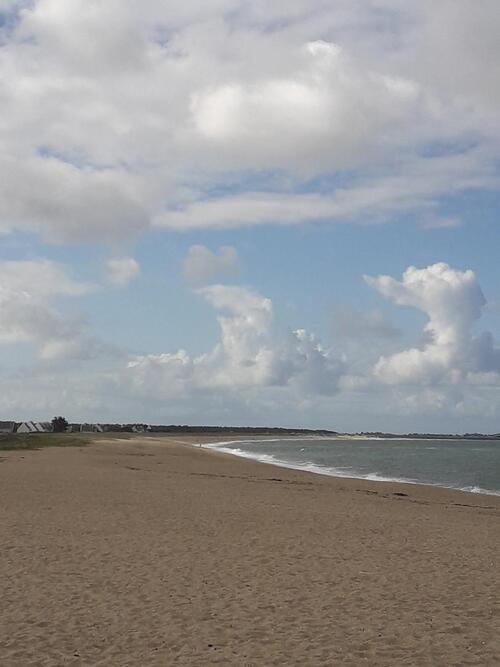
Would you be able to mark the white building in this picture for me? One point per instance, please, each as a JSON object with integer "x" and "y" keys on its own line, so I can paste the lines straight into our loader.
{"x": 7, "y": 427}
{"x": 35, "y": 427}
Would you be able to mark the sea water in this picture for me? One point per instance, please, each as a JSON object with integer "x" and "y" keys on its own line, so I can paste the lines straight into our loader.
{"x": 468, "y": 465}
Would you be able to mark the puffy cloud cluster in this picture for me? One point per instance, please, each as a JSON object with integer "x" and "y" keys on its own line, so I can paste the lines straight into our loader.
{"x": 255, "y": 370}
{"x": 249, "y": 354}
{"x": 453, "y": 373}
{"x": 116, "y": 116}
{"x": 302, "y": 117}
{"x": 452, "y": 301}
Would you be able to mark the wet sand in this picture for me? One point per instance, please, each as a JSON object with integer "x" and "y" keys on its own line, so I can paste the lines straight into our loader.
{"x": 151, "y": 552}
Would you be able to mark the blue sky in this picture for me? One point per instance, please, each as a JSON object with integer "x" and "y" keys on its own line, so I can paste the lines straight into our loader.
{"x": 220, "y": 227}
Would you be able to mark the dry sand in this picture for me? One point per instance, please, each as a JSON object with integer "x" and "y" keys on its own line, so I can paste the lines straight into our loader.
{"x": 149, "y": 552}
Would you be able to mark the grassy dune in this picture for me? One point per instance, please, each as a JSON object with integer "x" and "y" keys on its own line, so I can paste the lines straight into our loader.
{"x": 10, "y": 441}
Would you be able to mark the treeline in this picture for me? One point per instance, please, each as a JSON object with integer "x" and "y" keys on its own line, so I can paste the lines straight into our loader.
{"x": 239, "y": 430}
{"x": 197, "y": 430}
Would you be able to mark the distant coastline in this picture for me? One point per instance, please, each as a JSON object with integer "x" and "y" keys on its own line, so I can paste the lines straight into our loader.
{"x": 265, "y": 431}
{"x": 12, "y": 426}
{"x": 426, "y": 436}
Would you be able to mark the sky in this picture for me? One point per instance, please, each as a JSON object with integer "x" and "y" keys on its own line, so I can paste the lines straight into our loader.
{"x": 251, "y": 213}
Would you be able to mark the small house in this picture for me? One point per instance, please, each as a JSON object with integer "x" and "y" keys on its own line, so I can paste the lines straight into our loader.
{"x": 7, "y": 427}
{"x": 35, "y": 427}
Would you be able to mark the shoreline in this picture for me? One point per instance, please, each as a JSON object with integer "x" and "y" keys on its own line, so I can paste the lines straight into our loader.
{"x": 149, "y": 551}
{"x": 313, "y": 469}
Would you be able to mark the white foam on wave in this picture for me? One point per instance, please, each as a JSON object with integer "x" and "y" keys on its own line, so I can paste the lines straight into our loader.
{"x": 480, "y": 490}
{"x": 221, "y": 443}
{"x": 309, "y": 466}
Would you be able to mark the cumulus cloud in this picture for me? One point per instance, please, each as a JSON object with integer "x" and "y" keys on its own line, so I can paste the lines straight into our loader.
{"x": 256, "y": 371}
{"x": 201, "y": 265}
{"x": 255, "y": 364}
{"x": 118, "y": 116}
{"x": 27, "y": 289}
{"x": 305, "y": 115}
{"x": 64, "y": 202}
{"x": 121, "y": 270}
{"x": 114, "y": 116}
{"x": 249, "y": 354}
{"x": 453, "y": 302}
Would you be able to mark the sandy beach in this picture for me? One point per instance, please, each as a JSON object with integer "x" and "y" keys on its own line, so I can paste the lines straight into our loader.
{"x": 152, "y": 552}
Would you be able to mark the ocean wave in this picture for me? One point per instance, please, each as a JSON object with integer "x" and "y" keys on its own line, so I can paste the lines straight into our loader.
{"x": 480, "y": 490}
{"x": 329, "y": 471}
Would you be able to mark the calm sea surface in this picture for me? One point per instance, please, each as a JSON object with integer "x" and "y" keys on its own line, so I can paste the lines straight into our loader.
{"x": 469, "y": 465}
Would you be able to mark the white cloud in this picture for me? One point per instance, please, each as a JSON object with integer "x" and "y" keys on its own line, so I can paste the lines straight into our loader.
{"x": 202, "y": 266}
{"x": 121, "y": 270}
{"x": 118, "y": 116}
{"x": 250, "y": 354}
{"x": 27, "y": 289}
{"x": 67, "y": 203}
{"x": 303, "y": 117}
{"x": 453, "y": 301}
{"x": 115, "y": 115}
{"x": 256, "y": 372}
{"x": 373, "y": 199}
{"x": 40, "y": 279}
{"x": 458, "y": 46}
